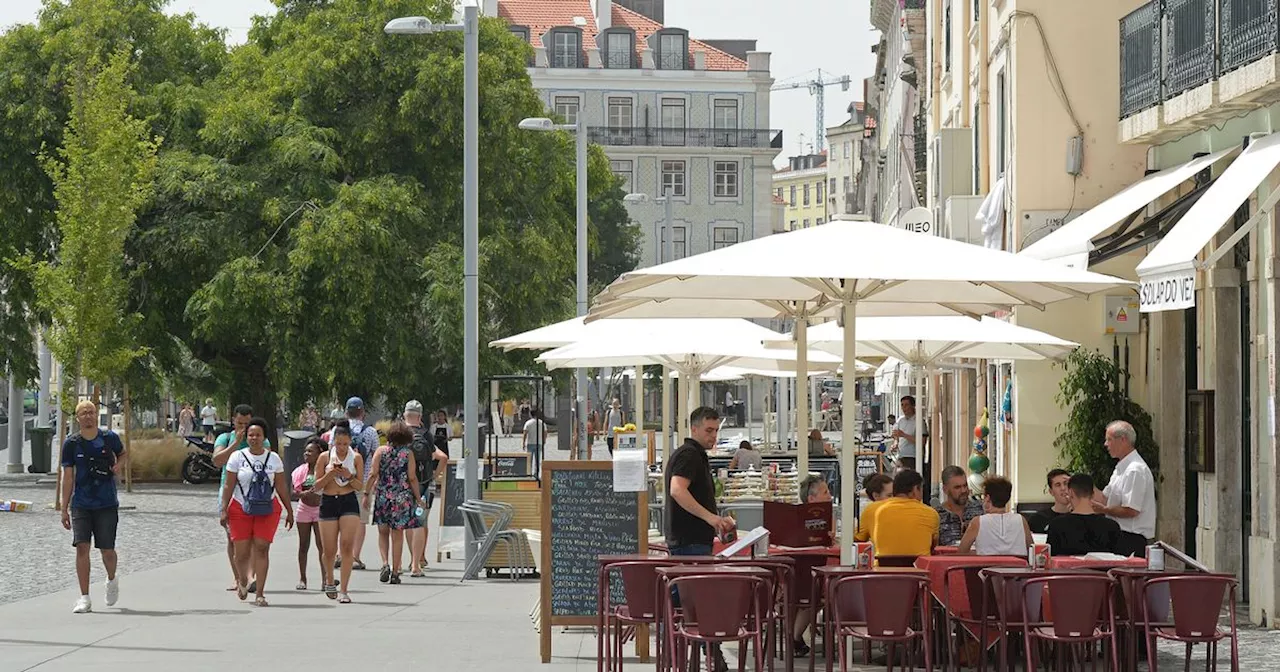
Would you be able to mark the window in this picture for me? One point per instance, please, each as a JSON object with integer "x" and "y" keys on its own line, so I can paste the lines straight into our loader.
{"x": 726, "y": 179}
{"x": 520, "y": 32}
{"x": 566, "y": 108}
{"x": 724, "y": 119}
{"x": 844, "y": 184}
{"x": 723, "y": 236}
{"x": 673, "y": 50}
{"x": 977, "y": 10}
{"x": 793, "y": 225}
{"x": 819, "y": 186}
{"x": 673, "y": 178}
{"x": 946, "y": 38}
{"x": 621, "y": 120}
{"x": 817, "y": 222}
{"x": 566, "y": 49}
{"x": 679, "y": 242}
{"x": 673, "y": 121}
{"x": 806, "y": 193}
{"x": 847, "y": 147}
{"x": 622, "y": 169}
{"x": 620, "y": 50}
{"x": 806, "y": 223}
{"x": 793, "y": 195}
{"x": 1000, "y": 123}
{"x": 779, "y": 193}
{"x": 832, "y": 189}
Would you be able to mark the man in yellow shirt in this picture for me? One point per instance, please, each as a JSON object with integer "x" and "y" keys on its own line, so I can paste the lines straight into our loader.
{"x": 903, "y": 524}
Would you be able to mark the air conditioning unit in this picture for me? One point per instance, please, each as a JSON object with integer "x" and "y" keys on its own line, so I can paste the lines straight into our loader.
{"x": 950, "y": 164}
{"x": 958, "y": 223}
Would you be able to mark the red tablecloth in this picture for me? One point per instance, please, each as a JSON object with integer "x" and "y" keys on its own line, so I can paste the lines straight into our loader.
{"x": 829, "y": 551}
{"x": 1082, "y": 562}
{"x": 937, "y": 566}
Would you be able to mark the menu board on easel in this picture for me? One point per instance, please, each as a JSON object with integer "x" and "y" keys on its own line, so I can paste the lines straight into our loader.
{"x": 582, "y": 519}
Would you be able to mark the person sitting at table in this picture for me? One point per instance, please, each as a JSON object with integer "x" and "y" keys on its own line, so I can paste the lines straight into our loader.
{"x": 746, "y": 457}
{"x": 818, "y": 447}
{"x": 1057, "y": 482}
{"x": 997, "y": 532}
{"x": 958, "y": 507}
{"x": 879, "y": 487}
{"x": 904, "y": 524}
{"x": 813, "y": 490}
{"x": 1082, "y": 531}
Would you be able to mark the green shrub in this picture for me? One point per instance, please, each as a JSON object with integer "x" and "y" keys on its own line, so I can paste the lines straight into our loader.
{"x": 1092, "y": 392}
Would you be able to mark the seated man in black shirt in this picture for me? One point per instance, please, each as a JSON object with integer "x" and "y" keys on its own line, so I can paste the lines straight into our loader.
{"x": 1057, "y": 482}
{"x": 1082, "y": 531}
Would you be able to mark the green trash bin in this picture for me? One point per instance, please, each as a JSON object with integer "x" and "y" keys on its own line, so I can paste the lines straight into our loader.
{"x": 41, "y": 450}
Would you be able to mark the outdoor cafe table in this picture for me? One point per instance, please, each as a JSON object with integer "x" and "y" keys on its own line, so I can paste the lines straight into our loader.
{"x": 1086, "y": 562}
{"x": 666, "y": 661}
{"x": 937, "y": 567}
{"x": 823, "y": 575}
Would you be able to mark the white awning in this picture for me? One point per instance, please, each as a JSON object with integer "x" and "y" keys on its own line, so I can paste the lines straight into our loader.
{"x": 1168, "y": 272}
{"x": 1075, "y": 238}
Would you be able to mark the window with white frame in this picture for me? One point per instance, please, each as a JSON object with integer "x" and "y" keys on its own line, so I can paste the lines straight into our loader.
{"x": 726, "y": 179}
{"x": 724, "y": 119}
{"x": 844, "y": 183}
{"x": 819, "y": 185}
{"x": 832, "y": 190}
{"x": 946, "y": 37}
{"x": 679, "y": 242}
{"x": 806, "y": 193}
{"x": 806, "y": 223}
{"x": 566, "y": 108}
{"x": 621, "y": 50}
{"x": 674, "y": 178}
{"x": 621, "y": 120}
{"x": 724, "y": 236}
{"x": 793, "y": 195}
{"x": 624, "y": 170}
{"x": 817, "y": 222}
{"x": 566, "y": 49}
{"x": 673, "y": 50}
{"x": 673, "y": 121}
{"x": 847, "y": 146}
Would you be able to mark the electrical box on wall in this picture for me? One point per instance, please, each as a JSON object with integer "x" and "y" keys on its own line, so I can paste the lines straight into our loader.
{"x": 1121, "y": 315}
{"x": 1075, "y": 155}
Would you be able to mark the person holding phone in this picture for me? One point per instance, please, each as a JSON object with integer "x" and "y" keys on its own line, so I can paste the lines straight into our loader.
{"x": 341, "y": 470}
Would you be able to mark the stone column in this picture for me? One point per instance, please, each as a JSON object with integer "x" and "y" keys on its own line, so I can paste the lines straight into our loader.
{"x": 1223, "y": 288}
{"x": 1168, "y": 392}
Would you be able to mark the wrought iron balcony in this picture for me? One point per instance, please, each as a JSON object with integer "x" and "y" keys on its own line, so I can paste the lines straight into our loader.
{"x": 1249, "y": 31}
{"x": 1140, "y": 59}
{"x": 748, "y": 138}
{"x": 1190, "y": 54}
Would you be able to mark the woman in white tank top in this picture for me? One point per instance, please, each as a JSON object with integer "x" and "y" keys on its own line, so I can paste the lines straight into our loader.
{"x": 997, "y": 532}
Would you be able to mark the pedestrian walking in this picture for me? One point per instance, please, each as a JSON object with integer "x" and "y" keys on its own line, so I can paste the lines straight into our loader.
{"x": 186, "y": 420}
{"x": 508, "y": 416}
{"x": 364, "y": 439}
{"x": 431, "y": 463}
{"x": 208, "y": 419}
{"x": 226, "y": 445}
{"x": 309, "y": 419}
{"x": 91, "y": 460}
{"x": 533, "y": 438}
{"x": 396, "y": 496}
{"x": 341, "y": 470}
{"x": 613, "y": 418}
{"x": 308, "y": 509}
{"x": 251, "y": 505}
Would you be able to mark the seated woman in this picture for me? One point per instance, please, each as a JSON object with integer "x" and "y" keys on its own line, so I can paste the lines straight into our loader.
{"x": 997, "y": 532}
{"x": 818, "y": 447}
{"x": 746, "y": 457}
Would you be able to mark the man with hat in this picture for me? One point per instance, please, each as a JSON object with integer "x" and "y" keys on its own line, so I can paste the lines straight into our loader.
{"x": 431, "y": 462}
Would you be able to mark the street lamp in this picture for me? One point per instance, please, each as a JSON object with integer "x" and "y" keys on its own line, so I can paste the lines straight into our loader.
{"x": 580, "y": 133}
{"x": 470, "y": 29}
{"x": 668, "y": 228}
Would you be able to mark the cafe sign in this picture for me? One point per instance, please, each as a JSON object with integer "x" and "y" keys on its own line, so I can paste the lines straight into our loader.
{"x": 1168, "y": 291}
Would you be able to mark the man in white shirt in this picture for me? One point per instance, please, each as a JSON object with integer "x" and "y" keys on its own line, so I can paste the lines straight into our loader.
{"x": 905, "y": 433}
{"x": 1130, "y": 496}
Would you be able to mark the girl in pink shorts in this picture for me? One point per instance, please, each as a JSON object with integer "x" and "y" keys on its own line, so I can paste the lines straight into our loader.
{"x": 308, "y": 508}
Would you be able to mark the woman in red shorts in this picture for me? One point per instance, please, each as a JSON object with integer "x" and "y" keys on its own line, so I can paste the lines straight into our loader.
{"x": 251, "y": 505}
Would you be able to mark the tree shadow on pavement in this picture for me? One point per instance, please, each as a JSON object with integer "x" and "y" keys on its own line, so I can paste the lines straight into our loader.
{"x": 179, "y": 612}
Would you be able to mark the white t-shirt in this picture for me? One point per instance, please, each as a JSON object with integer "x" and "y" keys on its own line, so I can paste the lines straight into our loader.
{"x": 208, "y": 415}
{"x": 1133, "y": 486}
{"x": 448, "y": 429}
{"x": 907, "y": 444}
{"x": 242, "y": 464}
{"x": 534, "y": 430}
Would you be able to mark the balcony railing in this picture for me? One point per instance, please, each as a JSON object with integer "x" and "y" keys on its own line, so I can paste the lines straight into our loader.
{"x": 749, "y": 138}
{"x": 1168, "y": 47}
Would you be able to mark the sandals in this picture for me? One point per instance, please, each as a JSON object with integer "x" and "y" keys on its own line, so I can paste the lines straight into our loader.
{"x": 242, "y": 592}
{"x": 358, "y": 565}
{"x": 260, "y": 602}
{"x": 253, "y": 586}
{"x": 344, "y": 598}
{"x": 330, "y": 591}
{"x": 302, "y": 585}
{"x": 417, "y": 573}
{"x": 395, "y": 577}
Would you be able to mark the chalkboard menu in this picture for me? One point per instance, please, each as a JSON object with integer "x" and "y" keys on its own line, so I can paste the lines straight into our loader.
{"x": 583, "y": 518}
{"x": 866, "y": 464}
{"x": 511, "y": 465}
{"x": 455, "y": 492}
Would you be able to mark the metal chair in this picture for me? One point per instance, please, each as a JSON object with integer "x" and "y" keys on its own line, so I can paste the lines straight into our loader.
{"x": 1197, "y": 601}
{"x": 888, "y": 605}
{"x": 720, "y": 608}
{"x": 488, "y": 535}
{"x": 1073, "y": 615}
{"x": 639, "y": 585}
{"x": 975, "y": 620}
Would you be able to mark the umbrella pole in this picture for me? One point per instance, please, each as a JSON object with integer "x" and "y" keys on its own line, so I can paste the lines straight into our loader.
{"x": 666, "y": 415}
{"x": 637, "y": 416}
{"x": 848, "y": 418}
{"x": 802, "y": 393}
{"x": 921, "y": 462}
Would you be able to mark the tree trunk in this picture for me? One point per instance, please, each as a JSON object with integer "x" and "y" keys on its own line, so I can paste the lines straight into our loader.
{"x": 250, "y": 385}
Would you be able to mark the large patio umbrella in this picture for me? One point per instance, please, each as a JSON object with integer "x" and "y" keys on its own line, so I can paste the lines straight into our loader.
{"x": 926, "y": 342}
{"x": 844, "y": 269}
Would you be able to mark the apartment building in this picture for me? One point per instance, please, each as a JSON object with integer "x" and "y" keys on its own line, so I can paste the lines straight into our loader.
{"x": 802, "y": 187}
{"x": 844, "y": 161}
{"x": 676, "y": 115}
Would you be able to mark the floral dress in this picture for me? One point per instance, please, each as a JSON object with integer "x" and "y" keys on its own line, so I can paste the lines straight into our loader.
{"x": 393, "y": 500}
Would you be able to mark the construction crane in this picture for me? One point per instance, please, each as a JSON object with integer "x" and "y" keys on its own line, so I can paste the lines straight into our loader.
{"x": 818, "y": 87}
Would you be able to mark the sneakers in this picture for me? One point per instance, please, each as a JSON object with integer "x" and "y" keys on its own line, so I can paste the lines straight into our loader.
{"x": 801, "y": 649}
{"x": 113, "y": 591}
{"x": 83, "y": 605}
{"x": 385, "y": 575}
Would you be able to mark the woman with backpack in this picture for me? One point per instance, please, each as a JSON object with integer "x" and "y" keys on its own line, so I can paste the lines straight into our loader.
{"x": 341, "y": 469}
{"x": 251, "y": 504}
{"x": 394, "y": 482}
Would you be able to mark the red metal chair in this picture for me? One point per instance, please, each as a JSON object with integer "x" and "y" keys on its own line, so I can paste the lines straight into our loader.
{"x": 896, "y": 560}
{"x": 1197, "y": 601}
{"x": 784, "y": 583}
{"x": 1072, "y": 621}
{"x": 639, "y": 586}
{"x": 974, "y": 621}
{"x": 886, "y": 614}
{"x": 718, "y": 609}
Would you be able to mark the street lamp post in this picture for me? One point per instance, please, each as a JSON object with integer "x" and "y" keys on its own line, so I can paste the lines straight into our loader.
{"x": 667, "y": 253}
{"x": 580, "y": 140}
{"x": 470, "y": 29}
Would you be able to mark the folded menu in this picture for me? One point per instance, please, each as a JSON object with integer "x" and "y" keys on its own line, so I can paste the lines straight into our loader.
{"x": 757, "y": 535}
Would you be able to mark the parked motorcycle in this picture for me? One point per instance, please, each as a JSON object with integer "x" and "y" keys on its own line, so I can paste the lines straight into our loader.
{"x": 198, "y": 466}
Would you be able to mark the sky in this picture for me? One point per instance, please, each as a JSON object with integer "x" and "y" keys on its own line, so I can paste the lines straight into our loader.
{"x": 832, "y": 35}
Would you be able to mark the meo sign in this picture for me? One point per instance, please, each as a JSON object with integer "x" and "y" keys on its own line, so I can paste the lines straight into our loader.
{"x": 1168, "y": 291}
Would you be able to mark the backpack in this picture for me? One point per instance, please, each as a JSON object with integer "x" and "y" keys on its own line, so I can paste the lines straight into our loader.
{"x": 258, "y": 499}
{"x": 424, "y": 448}
{"x": 357, "y": 442}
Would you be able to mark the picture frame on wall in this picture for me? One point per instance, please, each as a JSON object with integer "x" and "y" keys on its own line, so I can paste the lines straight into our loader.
{"x": 1200, "y": 432}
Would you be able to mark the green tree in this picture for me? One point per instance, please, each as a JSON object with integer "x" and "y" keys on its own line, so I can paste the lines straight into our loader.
{"x": 102, "y": 175}
{"x": 616, "y": 249}
{"x": 1092, "y": 392}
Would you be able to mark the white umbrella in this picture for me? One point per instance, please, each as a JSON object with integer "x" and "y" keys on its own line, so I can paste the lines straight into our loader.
{"x": 550, "y": 336}
{"x": 844, "y": 269}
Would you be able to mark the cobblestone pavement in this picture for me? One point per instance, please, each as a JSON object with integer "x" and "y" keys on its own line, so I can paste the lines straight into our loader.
{"x": 168, "y": 523}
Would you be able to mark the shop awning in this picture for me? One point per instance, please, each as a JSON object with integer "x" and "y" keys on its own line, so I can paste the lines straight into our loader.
{"x": 1168, "y": 273}
{"x": 1072, "y": 243}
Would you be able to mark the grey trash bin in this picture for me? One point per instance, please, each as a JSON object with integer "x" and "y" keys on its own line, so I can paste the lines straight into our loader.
{"x": 41, "y": 450}
{"x": 296, "y": 441}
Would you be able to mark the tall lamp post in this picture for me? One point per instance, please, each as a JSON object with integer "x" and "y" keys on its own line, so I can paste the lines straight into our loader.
{"x": 470, "y": 29}
{"x": 667, "y": 253}
{"x": 580, "y": 375}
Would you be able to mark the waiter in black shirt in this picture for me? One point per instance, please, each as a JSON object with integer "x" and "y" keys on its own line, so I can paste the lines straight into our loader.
{"x": 692, "y": 519}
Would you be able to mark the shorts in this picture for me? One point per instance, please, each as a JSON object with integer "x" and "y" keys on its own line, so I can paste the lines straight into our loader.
{"x": 333, "y": 507}
{"x": 208, "y": 429}
{"x": 244, "y": 527}
{"x": 98, "y": 525}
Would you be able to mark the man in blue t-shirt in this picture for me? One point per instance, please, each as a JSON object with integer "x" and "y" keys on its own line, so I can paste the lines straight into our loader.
{"x": 226, "y": 446}
{"x": 91, "y": 459}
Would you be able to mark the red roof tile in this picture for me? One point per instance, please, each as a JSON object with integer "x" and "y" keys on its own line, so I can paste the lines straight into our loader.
{"x": 539, "y": 16}
{"x": 644, "y": 27}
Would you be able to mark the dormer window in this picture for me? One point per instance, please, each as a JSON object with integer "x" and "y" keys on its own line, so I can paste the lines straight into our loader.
{"x": 620, "y": 49}
{"x": 521, "y": 32}
{"x": 673, "y": 50}
{"x": 566, "y": 47}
